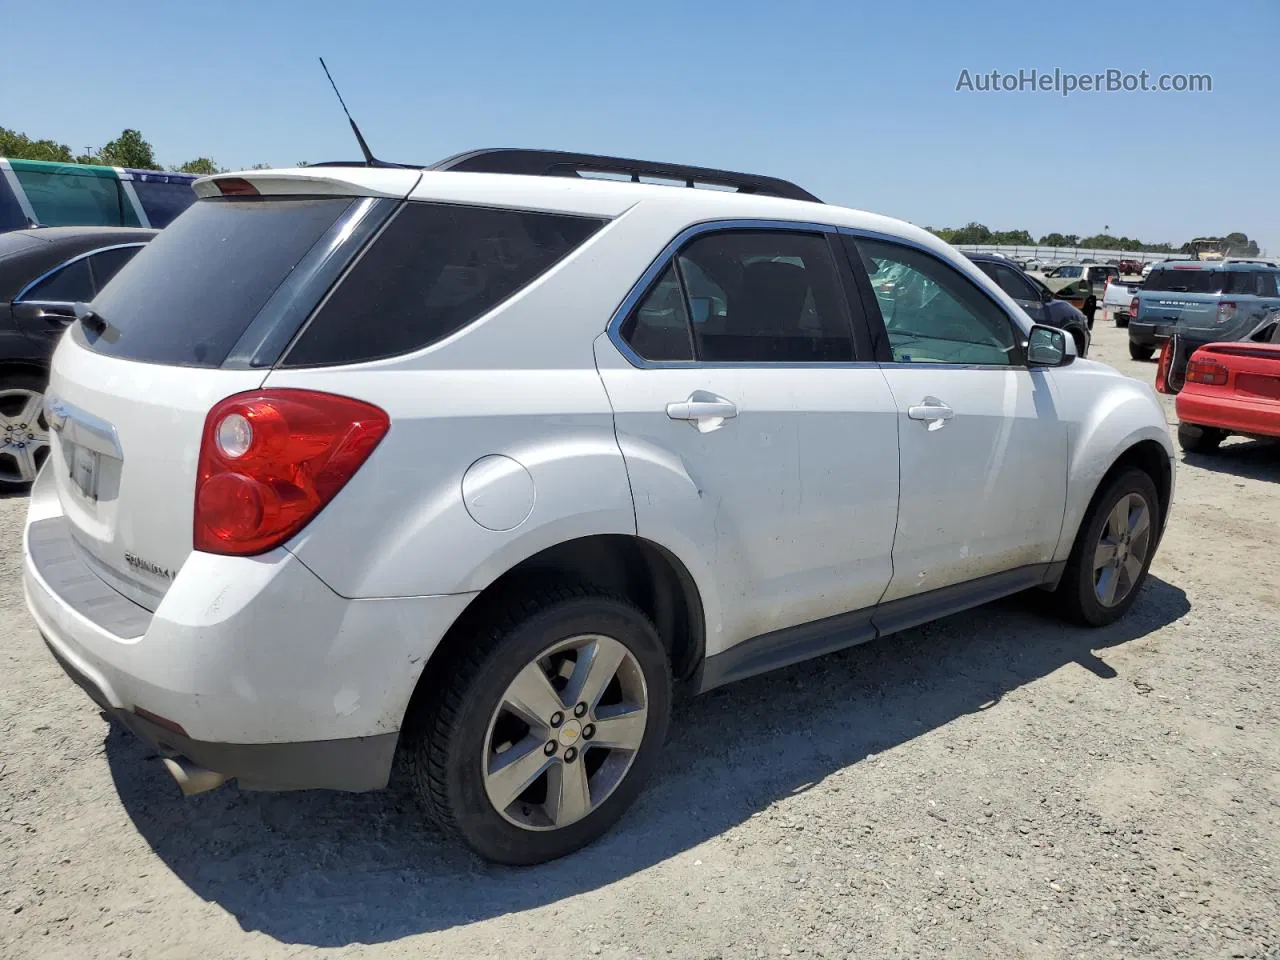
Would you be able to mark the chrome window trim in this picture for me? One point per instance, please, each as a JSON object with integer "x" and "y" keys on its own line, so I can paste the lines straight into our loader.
{"x": 68, "y": 262}
{"x": 641, "y": 288}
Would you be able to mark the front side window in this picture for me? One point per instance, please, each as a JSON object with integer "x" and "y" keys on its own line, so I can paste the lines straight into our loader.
{"x": 71, "y": 283}
{"x": 933, "y": 313}
{"x": 1009, "y": 281}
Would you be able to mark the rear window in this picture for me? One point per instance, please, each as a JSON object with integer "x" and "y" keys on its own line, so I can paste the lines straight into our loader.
{"x": 1173, "y": 280}
{"x": 191, "y": 293}
{"x": 434, "y": 269}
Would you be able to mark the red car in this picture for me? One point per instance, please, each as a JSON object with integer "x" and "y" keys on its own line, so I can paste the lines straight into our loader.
{"x": 1227, "y": 388}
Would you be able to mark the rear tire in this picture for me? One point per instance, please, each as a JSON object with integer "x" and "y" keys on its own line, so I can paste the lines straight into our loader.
{"x": 1122, "y": 320}
{"x": 1082, "y": 343}
{"x": 1196, "y": 439}
{"x": 490, "y": 703}
{"x": 1112, "y": 553}
{"x": 1138, "y": 352}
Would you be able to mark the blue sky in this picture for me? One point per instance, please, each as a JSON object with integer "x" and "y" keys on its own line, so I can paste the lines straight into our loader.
{"x": 855, "y": 101}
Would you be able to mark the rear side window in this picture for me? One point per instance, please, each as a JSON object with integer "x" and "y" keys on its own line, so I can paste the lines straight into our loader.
{"x": 189, "y": 295}
{"x": 1194, "y": 280}
{"x": 434, "y": 269}
{"x": 658, "y": 329}
{"x": 1250, "y": 283}
{"x": 70, "y": 284}
{"x": 107, "y": 264}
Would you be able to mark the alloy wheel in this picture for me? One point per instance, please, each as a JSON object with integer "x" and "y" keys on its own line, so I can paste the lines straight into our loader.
{"x": 1122, "y": 549}
{"x": 24, "y": 435}
{"x": 565, "y": 733}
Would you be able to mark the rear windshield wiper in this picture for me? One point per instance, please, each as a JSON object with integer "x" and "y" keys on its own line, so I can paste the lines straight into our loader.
{"x": 91, "y": 321}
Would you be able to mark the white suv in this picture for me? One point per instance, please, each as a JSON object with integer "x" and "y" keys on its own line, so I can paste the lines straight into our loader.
{"x": 480, "y": 466}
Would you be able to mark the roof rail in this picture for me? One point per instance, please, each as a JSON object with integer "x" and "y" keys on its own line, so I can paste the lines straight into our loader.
{"x": 557, "y": 163}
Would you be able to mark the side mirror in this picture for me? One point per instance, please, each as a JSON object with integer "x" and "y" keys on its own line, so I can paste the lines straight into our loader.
{"x": 1049, "y": 347}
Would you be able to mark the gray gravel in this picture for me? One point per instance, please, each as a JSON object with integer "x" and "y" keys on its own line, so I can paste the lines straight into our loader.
{"x": 996, "y": 785}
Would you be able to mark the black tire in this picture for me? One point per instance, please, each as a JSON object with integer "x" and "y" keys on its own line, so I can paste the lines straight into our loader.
{"x": 1122, "y": 320}
{"x": 1196, "y": 439}
{"x": 446, "y": 745}
{"x": 1090, "y": 311}
{"x": 1138, "y": 352}
{"x": 1076, "y": 596}
{"x": 1082, "y": 342}
{"x": 11, "y": 379}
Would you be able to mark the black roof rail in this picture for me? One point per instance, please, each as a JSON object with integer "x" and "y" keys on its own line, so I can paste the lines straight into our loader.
{"x": 558, "y": 163}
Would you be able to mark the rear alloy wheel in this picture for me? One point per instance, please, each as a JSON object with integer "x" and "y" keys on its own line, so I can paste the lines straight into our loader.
{"x": 545, "y": 736}
{"x": 1113, "y": 551}
{"x": 24, "y": 433}
{"x": 1138, "y": 352}
{"x": 1197, "y": 439}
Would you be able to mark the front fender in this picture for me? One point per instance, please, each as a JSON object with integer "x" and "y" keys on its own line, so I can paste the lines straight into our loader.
{"x": 1109, "y": 414}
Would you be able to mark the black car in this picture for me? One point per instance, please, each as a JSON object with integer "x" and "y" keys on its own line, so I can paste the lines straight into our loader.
{"x": 44, "y": 272}
{"x": 1035, "y": 298}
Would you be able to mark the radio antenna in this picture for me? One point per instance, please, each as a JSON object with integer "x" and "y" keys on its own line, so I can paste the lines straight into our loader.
{"x": 369, "y": 159}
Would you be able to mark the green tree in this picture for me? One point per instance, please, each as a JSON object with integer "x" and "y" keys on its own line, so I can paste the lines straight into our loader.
{"x": 129, "y": 150}
{"x": 19, "y": 146}
{"x": 261, "y": 166}
{"x": 201, "y": 165}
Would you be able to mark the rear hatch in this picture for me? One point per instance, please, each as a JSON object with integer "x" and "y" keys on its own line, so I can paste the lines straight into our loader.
{"x": 1186, "y": 299}
{"x": 200, "y": 314}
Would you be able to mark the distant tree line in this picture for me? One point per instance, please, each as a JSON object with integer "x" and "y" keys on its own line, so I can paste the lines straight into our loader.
{"x": 129, "y": 149}
{"x": 1238, "y": 245}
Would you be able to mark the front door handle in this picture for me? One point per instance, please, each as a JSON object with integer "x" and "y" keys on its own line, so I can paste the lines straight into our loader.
{"x": 932, "y": 411}
{"x": 704, "y": 410}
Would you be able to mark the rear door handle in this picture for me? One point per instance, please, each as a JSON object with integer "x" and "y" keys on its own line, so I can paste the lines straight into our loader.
{"x": 932, "y": 411}
{"x": 704, "y": 410}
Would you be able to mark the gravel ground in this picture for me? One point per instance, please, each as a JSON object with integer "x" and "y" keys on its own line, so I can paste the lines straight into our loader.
{"x": 996, "y": 785}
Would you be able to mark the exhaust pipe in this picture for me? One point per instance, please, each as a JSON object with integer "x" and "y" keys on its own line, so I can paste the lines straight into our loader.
{"x": 192, "y": 779}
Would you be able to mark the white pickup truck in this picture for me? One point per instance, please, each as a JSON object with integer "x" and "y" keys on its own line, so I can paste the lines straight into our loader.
{"x": 1118, "y": 296}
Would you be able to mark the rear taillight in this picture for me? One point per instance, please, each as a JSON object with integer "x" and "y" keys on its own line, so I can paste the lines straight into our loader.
{"x": 1208, "y": 372}
{"x": 1133, "y": 307}
{"x": 1162, "y": 368}
{"x": 270, "y": 460}
{"x": 1226, "y": 311}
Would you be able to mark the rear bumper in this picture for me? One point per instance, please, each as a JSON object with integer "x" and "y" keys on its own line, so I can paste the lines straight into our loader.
{"x": 1255, "y": 418}
{"x": 1146, "y": 334}
{"x": 266, "y": 674}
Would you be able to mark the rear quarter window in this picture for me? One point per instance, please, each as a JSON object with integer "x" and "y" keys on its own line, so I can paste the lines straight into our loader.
{"x": 433, "y": 270}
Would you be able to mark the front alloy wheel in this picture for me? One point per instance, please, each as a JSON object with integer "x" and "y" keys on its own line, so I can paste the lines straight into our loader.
{"x": 1121, "y": 553}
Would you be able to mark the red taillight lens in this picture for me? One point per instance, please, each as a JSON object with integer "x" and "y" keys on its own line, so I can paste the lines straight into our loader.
{"x": 1226, "y": 311}
{"x": 1162, "y": 368}
{"x": 1206, "y": 371}
{"x": 236, "y": 187}
{"x": 270, "y": 460}
{"x": 1133, "y": 307}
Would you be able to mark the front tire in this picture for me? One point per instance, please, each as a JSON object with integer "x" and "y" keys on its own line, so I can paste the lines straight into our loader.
{"x": 1138, "y": 352}
{"x": 1112, "y": 552}
{"x": 1197, "y": 439}
{"x": 545, "y": 727}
